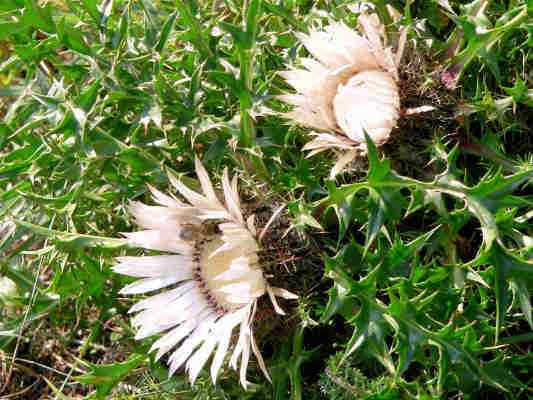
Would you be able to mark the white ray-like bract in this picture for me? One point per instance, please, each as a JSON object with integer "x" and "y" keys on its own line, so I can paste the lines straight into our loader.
{"x": 209, "y": 285}
{"x": 348, "y": 87}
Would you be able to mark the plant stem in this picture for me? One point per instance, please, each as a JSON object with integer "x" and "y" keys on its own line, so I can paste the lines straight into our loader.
{"x": 296, "y": 380}
{"x": 247, "y": 134}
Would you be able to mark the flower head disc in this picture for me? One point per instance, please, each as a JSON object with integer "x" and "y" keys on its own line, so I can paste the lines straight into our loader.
{"x": 346, "y": 89}
{"x": 214, "y": 275}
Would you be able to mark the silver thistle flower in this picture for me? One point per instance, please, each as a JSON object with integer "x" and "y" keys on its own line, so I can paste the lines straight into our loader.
{"x": 348, "y": 87}
{"x": 215, "y": 271}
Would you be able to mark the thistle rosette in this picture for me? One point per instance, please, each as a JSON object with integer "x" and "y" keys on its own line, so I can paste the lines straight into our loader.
{"x": 207, "y": 287}
{"x": 348, "y": 87}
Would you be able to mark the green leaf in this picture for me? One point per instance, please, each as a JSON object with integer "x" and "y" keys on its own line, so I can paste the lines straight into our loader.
{"x": 520, "y": 92}
{"x": 121, "y": 34}
{"x": 11, "y": 5}
{"x": 377, "y": 170}
{"x": 72, "y": 38}
{"x": 512, "y": 265}
{"x": 396, "y": 260}
{"x": 376, "y": 218}
{"x": 150, "y": 25}
{"x": 370, "y": 329}
{"x": 368, "y": 322}
{"x": 494, "y": 187}
{"x": 239, "y": 36}
{"x": 506, "y": 266}
{"x": 456, "y": 354}
{"x": 194, "y": 27}
{"x": 523, "y": 295}
{"x": 287, "y": 15}
{"x": 410, "y": 338}
{"x": 106, "y": 377}
{"x": 58, "y": 202}
{"x": 88, "y": 96}
{"x": 73, "y": 241}
{"x": 489, "y": 228}
{"x": 303, "y": 217}
{"x": 340, "y": 300}
{"x": 92, "y": 9}
{"x": 165, "y": 32}
{"x": 38, "y": 17}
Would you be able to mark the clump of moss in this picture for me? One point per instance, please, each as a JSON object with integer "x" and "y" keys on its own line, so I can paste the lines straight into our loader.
{"x": 344, "y": 381}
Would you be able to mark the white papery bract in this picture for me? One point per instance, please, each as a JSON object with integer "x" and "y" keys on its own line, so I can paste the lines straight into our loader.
{"x": 207, "y": 287}
{"x": 8, "y": 288}
{"x": 348, "y": 87}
